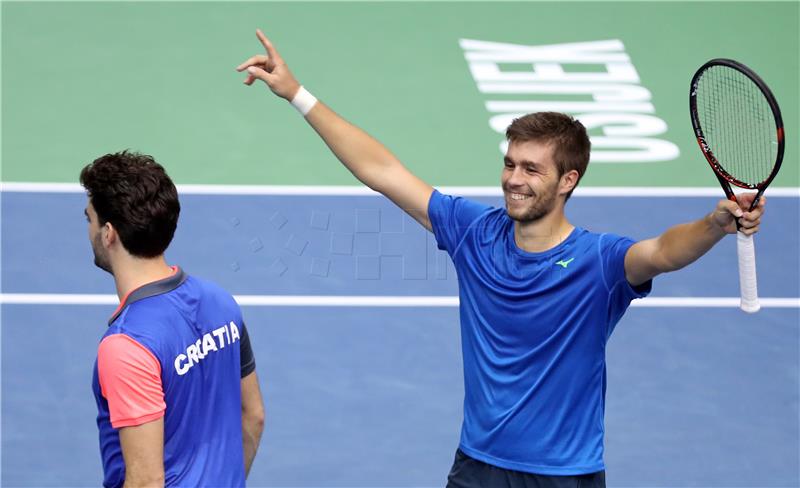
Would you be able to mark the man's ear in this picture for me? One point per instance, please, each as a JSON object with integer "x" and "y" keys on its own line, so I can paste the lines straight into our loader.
{"x": 108, "y": 234}
{"x": 568, "y": 182}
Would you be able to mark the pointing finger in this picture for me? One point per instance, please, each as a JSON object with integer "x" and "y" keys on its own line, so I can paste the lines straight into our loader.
{"x": 273, "y": 53}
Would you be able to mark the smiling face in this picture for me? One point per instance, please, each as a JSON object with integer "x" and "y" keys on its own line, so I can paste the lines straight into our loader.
{"x": 530, "y": 180}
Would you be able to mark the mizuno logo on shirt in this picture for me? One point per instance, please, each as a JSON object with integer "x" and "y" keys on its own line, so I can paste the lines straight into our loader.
{"x": 210, "y": 342}
{"x": 563, "y": 263}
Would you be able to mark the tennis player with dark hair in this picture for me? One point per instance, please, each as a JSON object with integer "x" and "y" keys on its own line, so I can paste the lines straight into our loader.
{"x": 539, "y": 297}
{"x": 177, "y": 393}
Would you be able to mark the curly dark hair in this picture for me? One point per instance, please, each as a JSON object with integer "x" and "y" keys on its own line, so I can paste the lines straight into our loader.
{"x": 571, "y": 145}
{"x": 134, "y": 193}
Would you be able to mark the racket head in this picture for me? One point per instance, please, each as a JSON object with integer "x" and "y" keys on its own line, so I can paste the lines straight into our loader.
{"x": 720, "y": 93}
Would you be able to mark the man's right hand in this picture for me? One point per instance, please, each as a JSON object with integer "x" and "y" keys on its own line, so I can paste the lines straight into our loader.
{"x": 369, "y": 160}
{"x": 271, "y": 69}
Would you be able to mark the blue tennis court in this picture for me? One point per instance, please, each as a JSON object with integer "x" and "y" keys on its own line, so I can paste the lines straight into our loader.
{"x": 369, "y": 394}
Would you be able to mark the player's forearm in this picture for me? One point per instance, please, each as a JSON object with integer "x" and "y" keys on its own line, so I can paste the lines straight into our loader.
{"x": 359, "y": 152}
{"x": 151, "y": 479}
{"x": 252, "y": 428}
{"x": 683, "y": 244}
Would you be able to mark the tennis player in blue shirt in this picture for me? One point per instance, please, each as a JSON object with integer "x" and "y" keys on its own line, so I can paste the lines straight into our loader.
{"x": 539, "y": 297}
{"x": 178, "y": 401}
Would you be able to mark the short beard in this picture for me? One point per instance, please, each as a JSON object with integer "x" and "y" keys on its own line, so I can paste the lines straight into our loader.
{"x": 100, "y": 258}
{"x": 543, "y": 204}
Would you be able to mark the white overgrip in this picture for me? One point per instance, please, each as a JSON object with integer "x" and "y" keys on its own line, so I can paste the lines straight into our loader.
{"x": 748, "y": 285}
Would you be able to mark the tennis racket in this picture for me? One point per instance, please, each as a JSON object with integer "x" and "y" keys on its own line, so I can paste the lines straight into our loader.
{"x": 740, "y": 131}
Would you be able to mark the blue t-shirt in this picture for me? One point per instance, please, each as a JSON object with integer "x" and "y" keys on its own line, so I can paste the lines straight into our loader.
{"x": 534, "y": 328}
{"x": 194, "y": 330}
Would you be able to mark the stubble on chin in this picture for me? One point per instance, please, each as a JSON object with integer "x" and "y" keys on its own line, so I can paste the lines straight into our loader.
{"x": 100, "y": 260}
{"x": 538, "y": 209}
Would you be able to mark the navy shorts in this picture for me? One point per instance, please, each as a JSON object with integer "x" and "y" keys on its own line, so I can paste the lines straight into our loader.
{"x": 471, "y": 473}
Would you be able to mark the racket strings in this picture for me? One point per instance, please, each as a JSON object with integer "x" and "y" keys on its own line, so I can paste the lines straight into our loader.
{"x": 737, "y": 123}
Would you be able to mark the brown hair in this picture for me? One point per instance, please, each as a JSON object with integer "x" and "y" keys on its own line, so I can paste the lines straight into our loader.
{"x": 567, "y": 135}
{"x": 135, "y": 194}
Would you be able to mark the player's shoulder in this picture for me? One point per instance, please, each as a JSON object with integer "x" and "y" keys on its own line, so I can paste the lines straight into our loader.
{"x": 491, "y": 219}
{"x": 581, "y": 237}
{"x": 116, "y": 341}
{"x": 600, "y": 237}
{"x": 206, "y": 289}
{"x": 460, "y": 204}
{"x": 601, "y": 242}
{"x": 204, "y": 300}
{"x": 607, "y": 244}
{"x": 123, "y": 339}
{"x": 147, "y": 317}
{"x": 152, "y": 310}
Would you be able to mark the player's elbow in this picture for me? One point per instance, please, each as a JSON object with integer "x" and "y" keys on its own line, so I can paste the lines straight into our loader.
{"x": 380, "y": 174}
{"x": 254, "y": 417}
{"x": 661, "y": 262}
{"x": 668, "y": 254}
{"x": 665, "y": 263}
{"x": 258, "y": 419}
{"x": 650, "y": 268}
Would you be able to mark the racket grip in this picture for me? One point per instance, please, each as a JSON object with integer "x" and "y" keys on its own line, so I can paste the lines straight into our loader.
{"x": 748, "y": 285}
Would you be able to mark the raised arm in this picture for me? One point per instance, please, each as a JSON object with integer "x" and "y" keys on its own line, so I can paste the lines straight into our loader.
{"x": 369, "y": 160}
{"x": 685, "y": 243}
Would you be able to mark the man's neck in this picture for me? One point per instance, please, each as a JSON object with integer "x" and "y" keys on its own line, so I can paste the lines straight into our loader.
{"x": 132, "y": 272}
{"x": 543, "y": 234}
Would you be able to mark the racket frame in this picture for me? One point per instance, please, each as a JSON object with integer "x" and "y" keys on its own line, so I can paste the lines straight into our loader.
{"x": 745, "y": 249}
{"x": 725, "y": 178}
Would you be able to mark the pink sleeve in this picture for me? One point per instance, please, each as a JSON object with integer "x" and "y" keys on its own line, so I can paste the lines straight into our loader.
{"x": 130, "y": 379}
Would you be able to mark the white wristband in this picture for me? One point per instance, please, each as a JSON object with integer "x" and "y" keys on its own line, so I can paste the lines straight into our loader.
{"x": 304, "y": 101}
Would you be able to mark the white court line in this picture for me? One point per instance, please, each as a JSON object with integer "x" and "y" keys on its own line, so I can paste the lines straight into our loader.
{"x": 475, "y": 191}
{"x": 377, "y": 301}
